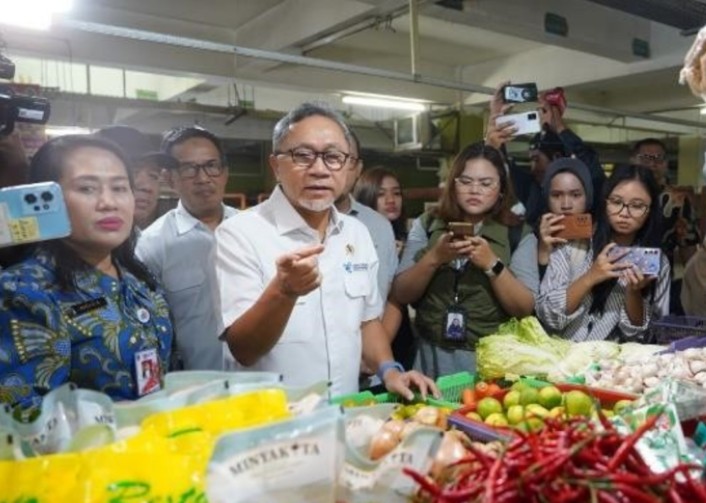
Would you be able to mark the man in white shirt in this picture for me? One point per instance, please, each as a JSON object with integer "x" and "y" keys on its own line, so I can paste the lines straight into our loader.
{"x": 379, "y": 227}
{"x": 298, "y": 280}
{"x": 179, "y": 247}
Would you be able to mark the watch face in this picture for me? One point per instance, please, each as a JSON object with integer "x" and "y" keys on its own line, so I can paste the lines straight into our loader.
{"x": 498, "y": 268}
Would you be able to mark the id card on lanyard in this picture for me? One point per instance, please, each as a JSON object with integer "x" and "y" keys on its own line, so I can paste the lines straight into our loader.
{"x": 454, "y": 327}
{"x": 147, "y": 372}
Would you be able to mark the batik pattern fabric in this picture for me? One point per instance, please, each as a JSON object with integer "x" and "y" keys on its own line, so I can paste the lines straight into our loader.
{"x": 88, "y": 336}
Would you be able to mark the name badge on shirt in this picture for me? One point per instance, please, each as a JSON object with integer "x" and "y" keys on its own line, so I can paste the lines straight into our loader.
{"x": 85, "y": 307}
{"x": 353, "y": 267}
{"x": 147, "y": 374}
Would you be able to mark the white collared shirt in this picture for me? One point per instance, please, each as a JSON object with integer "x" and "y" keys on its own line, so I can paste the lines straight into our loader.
{"x": 383, "y": 236}
{"x": 322, "y": 339}
{"x": 179, "y": 249}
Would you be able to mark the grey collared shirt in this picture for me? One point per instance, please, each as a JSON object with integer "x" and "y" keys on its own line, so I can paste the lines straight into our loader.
{"x": 383, "y": 236}
{"x": 179, "y": 250}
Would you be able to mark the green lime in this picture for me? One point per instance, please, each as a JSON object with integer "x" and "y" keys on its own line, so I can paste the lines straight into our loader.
{"x": 475, "y": 416}
{"x": 488, "y": 406}
{"x": 578, "y": 403}
{"x": 550, "y": 397}
{"x": 515, "y": 414}
{"x": 511, "y": 398}
{"x": 528, "y": 396}
{"x": 496, "y": 419}
{"x": 518, "y": 386}
{"x": 536, "y": 410}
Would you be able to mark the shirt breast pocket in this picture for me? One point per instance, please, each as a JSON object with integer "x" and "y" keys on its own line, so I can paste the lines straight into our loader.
{"x": 357, "y": 285}
{"x": 183, "y": 287}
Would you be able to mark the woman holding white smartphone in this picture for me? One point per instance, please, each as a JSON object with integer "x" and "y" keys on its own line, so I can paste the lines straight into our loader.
{"x": 597, "y": 294}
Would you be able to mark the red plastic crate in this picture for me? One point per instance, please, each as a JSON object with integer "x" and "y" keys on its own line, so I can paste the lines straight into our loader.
{"x": 484, "y": 432}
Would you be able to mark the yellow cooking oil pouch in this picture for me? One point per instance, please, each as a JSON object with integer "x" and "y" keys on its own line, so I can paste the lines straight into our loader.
{"x": 44, "y": 479}
{"x": 165, "y": 461}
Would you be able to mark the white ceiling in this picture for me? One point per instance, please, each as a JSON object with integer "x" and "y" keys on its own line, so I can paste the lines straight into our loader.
{"x": 486, "y": 43}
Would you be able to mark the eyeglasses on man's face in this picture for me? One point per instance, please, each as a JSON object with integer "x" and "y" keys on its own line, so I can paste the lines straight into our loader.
{"x": 305, "y": 158}
{"x": 212, "y": 168}
{"x": 636, "y": 209}
{"x": 483, "y": 185}
{"x": 651, "y": 158}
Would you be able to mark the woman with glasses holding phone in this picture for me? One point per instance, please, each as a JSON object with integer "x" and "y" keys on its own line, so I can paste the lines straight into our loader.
{"x": 468, "y": 276}
{"x": 602, "y": 295}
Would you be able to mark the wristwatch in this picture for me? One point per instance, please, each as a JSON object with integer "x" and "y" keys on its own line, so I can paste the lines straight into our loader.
{"x": 388, "y": 365}
{"x": 495, "y": 269}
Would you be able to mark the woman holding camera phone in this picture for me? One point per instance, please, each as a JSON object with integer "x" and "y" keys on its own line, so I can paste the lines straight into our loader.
{"x": 83, "y": 309}
{"x": 599, "y": 295}
{"x": 567, "y": 190}
{"x": 446, "y": 276}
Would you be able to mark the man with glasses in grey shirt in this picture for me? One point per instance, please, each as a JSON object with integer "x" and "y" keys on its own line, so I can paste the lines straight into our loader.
{"x": 179, "y": 247}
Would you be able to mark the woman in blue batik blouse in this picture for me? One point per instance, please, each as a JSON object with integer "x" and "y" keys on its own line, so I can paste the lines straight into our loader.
{"x": 83, "y": 309}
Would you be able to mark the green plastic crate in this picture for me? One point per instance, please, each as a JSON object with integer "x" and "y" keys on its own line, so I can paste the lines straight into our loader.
{"x": 355, "y": 399}
{"x": 451, "y": 388}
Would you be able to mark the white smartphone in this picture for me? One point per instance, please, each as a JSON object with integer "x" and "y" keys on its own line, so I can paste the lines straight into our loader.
{"x": 525, "y": 122}
{"x": 33, "y": 212}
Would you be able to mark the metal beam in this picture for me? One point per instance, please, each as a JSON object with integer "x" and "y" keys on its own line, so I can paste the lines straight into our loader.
{"x": 148, "y": 36}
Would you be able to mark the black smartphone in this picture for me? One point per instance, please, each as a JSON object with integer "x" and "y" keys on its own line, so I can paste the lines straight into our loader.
{"x": 462, "y": 230}
{"x": 519, "y": 93}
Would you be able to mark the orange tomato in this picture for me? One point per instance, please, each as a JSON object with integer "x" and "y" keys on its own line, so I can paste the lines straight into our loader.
{"x": 468, "y": 397}
{"x": 481, "y": 390}
{"x": 493, "y": 389}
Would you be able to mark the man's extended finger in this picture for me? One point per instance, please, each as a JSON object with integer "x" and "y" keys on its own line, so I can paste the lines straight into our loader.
{"x": 308, "y": 251}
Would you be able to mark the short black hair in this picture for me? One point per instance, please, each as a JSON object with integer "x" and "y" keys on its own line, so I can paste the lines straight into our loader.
{"x": 647, "y": 141}
{"x": 303, "y": 111}
{"x": 177, "y": 135}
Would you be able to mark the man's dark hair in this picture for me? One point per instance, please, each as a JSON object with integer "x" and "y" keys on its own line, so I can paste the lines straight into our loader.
{"x": 47, "y": 166}
{"x": 303, "y": 111}
{"x": 647, "y": 142}
{"x": 175, "y": 136}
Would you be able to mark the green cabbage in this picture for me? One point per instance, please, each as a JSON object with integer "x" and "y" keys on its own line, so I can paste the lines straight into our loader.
{"x": 520, "y": 347}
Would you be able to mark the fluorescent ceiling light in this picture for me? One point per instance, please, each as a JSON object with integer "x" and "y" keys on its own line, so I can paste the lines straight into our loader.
{"x": 34, "y": 14}
{"x": 64, "y": 130}
{"x": 703, "y": 110}
{"x": 385, "y": 103}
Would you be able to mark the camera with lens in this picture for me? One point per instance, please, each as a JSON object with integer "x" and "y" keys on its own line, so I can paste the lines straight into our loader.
{"x": 16, "y": 107}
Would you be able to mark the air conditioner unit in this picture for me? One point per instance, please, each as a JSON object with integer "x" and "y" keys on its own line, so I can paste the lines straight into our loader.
{"x": 416, "y": 132}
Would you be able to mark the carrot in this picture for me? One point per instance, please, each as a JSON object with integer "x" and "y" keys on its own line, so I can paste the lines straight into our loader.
{"x": 468, "y": 397}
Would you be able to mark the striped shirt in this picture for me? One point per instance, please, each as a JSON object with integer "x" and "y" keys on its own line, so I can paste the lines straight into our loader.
{"x": 568, "y": 263}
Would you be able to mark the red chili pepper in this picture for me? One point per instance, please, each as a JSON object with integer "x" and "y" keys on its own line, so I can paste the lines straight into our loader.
{"x": 630, "y": 442}
{"x": 606, "y": 497}
{"x": 635, "y": 495}
{"x": 674, "y": 496}
{"x": 490, "y": 487}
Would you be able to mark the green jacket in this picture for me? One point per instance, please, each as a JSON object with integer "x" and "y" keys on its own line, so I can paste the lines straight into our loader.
{"x": 483, "y": 312}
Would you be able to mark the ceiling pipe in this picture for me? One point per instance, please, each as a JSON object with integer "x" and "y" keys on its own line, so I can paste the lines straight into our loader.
{"x": 149, "y": 36}
{"x": 414, "y": 36}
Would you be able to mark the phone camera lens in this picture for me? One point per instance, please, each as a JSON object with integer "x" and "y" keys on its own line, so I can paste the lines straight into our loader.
{"x": 30, "y": 198}
{"x": 45, "y": 206}
{"x": 47, "y": 196}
